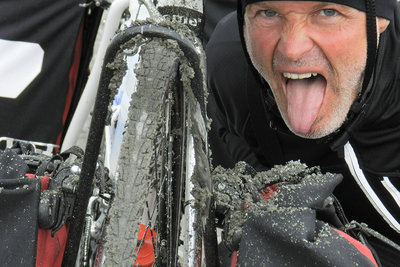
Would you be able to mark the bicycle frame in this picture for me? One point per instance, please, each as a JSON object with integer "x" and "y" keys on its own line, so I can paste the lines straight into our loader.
{"x": 109, "y": 45}
{"x": 113, "y": 19}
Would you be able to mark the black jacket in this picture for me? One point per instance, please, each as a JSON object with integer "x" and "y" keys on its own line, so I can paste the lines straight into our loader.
{"x": 249, "y": 125}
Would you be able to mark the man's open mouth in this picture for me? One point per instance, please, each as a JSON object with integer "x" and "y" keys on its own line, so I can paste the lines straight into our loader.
{"x": 305, "y": 93}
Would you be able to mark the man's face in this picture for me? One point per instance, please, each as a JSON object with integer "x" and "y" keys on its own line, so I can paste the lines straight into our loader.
{"x": 313, "y": 56}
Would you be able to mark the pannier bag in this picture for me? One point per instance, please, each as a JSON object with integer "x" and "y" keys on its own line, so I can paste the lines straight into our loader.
{"x": 36, "y": 198}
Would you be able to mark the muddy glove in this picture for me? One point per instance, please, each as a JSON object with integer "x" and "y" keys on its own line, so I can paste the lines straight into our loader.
{"x": 230, "y": 198}
{"x": 282, "y": 229}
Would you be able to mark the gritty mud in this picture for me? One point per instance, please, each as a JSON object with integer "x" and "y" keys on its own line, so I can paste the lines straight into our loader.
{"x": 137, "y": 151}
{"x": 144, "y": 114}
{"x": 119, "y": 65}
{"x": 143, "y": 133}
{"x": 241, "y": 190}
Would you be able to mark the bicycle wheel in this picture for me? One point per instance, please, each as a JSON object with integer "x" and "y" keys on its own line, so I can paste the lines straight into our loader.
{"x": 163, "y": 139}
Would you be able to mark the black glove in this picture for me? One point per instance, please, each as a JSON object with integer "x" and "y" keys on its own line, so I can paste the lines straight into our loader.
{"x": 230, "y": 199}
{"x": 282, "y": 229}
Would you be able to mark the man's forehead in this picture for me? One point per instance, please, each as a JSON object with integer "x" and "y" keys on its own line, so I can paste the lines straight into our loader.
{"x": 384, "y": 8}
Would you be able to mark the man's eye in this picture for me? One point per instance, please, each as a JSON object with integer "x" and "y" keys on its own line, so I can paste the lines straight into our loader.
{"x": 269, "y": 13}
{"x": 329, "y": 12}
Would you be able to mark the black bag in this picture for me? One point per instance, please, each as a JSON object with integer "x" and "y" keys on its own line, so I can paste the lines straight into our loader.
{"x": 19, "y": 202}
{"x": 36, "y": 191}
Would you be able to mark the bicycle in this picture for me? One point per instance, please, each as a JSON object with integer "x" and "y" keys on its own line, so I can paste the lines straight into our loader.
{"x": 162, "y": 151}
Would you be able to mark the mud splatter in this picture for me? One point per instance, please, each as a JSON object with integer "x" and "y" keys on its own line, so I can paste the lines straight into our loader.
{"x": 235, "y": 189}
{"x": 119, "y": 65}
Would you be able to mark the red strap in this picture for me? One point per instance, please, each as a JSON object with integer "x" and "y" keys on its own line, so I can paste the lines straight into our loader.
{"x": 50, "y": 250}
{"x": 44, "y": 180}
{"x": 269, "y": 191}
{"x": 234, "y": 259}
{"x": 363, "y": 249}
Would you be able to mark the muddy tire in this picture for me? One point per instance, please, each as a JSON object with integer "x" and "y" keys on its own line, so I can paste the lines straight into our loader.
{"x": 152, "y": 144}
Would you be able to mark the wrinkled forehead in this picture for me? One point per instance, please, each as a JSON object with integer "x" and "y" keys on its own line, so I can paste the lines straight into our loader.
{"x": 384, "y": 8}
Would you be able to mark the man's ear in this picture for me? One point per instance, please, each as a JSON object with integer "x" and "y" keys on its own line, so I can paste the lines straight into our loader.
{"x": 382, "y": 24}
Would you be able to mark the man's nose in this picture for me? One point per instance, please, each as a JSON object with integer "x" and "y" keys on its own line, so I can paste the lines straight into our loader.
{"x": 295, "y": 41}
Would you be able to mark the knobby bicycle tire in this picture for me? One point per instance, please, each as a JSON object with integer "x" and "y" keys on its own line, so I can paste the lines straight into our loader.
{"x": 146, "y": 157}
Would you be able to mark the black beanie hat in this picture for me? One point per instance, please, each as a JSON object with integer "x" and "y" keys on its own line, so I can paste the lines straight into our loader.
{"x": 384, "y": 8}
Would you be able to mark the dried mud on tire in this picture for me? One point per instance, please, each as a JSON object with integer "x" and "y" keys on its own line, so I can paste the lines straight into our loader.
{"x": 158, "y": 65}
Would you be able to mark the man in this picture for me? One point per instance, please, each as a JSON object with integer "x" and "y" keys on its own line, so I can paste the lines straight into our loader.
{"x": 316, "y": 82}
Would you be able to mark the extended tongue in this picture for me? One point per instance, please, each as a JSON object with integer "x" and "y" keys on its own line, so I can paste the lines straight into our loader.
{"x": 304, "y": 99}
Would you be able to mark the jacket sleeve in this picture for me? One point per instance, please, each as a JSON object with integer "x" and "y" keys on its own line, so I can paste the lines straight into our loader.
{"x": 227, "y": 145}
